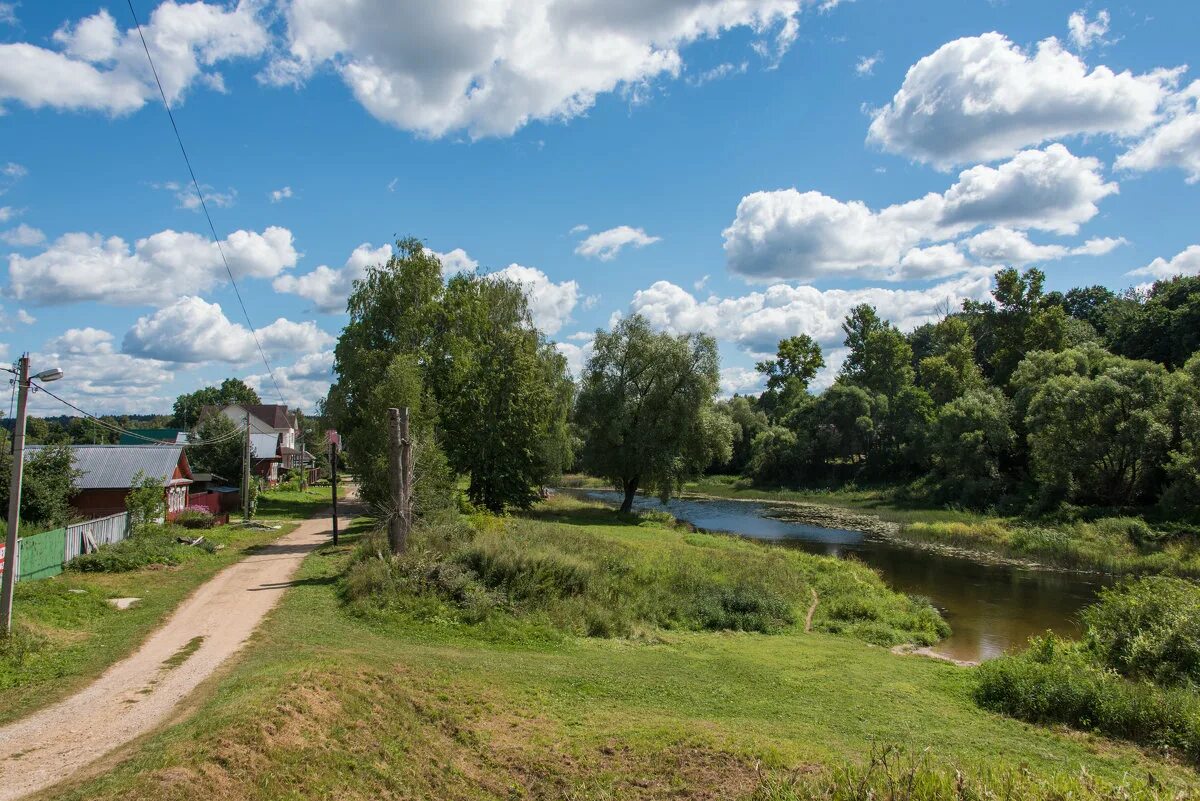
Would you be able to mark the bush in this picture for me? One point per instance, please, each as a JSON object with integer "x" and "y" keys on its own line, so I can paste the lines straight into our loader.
{"x": 145, "y": 501}
{"x": 153, "y": 545}
{"x": 196, "y": 517}
{"x": 1058, "y": 681}
{"x": 1148, "y": 629}
{"x": 532, "y": 576}
{"x": 746, "y": 607}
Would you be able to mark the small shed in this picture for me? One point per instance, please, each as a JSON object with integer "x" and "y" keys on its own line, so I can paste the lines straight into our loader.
{"x": 107, "y": 473}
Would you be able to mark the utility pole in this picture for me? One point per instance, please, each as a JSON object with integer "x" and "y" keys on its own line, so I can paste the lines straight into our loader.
{"x": 14, "y": 489}
{"x": 399, "y": 474}
{"x": 333, "y": 479}
{"x": 14, "y": 499}
{"x": 246, "y": 475}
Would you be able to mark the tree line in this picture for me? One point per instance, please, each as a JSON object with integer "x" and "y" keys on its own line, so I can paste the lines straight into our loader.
{"x": 1025, "y": 402}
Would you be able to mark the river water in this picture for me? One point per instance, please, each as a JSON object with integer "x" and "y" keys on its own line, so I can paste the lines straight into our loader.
{"x": 990, "y": 607}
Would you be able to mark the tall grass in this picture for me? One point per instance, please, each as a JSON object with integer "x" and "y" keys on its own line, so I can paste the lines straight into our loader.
{"x": 582, "y": 569}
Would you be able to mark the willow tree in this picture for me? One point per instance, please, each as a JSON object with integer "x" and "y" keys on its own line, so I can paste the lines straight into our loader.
{"x": 645, "y": 409}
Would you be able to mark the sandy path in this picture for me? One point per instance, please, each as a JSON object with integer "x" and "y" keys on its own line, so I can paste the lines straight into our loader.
{"x": 138, "y": 693}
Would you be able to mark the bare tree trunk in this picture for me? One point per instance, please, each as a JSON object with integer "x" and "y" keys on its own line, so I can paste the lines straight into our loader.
{"x": 631, "y": 487}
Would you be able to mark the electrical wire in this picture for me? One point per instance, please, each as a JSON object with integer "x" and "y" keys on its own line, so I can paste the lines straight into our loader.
{"x": 240, "y": 431}
{"x": 204, "y": 206}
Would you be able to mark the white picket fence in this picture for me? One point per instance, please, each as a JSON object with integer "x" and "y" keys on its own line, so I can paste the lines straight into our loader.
{"x": 104, "y": 531}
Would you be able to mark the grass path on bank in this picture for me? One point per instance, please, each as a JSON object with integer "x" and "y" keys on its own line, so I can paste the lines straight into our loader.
{"x": 324, "y": 703}
{"x": 67, "y": 633}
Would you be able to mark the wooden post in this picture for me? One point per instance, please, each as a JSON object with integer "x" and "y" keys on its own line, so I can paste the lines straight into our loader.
{"x": 396, "y": 532}
{"x": 333, "y": 479}
{"x": 406, "y": 474}
{"x": 246, "y": 474}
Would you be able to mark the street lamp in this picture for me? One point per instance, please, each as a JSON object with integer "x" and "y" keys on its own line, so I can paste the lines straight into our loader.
{"x": 14, "y": 487}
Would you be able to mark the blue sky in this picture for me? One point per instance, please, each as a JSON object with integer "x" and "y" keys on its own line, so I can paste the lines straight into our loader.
{"x": 748, "y": 167}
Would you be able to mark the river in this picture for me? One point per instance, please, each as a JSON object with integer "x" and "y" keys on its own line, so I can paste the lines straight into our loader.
{"x": 991, "y": 607}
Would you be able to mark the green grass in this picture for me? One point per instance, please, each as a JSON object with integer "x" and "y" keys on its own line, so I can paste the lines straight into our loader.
{"x": 294, "y": 504}
{"x": 1119, "y": 545}
{"x": 329, "y": 702}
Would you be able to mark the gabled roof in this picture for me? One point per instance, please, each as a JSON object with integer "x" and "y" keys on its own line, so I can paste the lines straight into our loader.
{"x": 273, "y": 414}
{"x": 114, "y": 466}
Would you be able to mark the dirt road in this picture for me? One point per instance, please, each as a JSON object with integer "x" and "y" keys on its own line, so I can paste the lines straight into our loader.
{"x": 139, "y": 692}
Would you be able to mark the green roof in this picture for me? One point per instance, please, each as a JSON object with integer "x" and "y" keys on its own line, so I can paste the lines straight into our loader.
{"x": 149, "y": 436}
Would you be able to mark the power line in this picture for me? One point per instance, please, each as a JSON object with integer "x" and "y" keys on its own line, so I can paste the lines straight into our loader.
{"x": 204, "y": 206}
{"x": 118, "y": 429}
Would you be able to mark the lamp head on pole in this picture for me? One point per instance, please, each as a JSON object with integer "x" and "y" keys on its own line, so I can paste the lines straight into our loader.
{"x": 46, "y": 376}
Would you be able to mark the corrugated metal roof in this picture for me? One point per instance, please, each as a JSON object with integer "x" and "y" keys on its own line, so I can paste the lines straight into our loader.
{"x": 264, "y": 446}
{"x": 114, "y": 466}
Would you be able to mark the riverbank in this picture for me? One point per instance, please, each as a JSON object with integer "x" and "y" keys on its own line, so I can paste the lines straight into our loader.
{"x": 411, "y": 700}
{"x": 1115, "y": 545}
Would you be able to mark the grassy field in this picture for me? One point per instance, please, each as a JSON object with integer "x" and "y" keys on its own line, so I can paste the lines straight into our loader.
{"x": 1121, "y": 545}
{"x": 410, "y": 701}
{"x": 66, "y": 633}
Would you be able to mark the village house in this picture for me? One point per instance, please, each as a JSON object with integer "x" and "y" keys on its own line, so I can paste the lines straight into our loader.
{"x": 273, "y": 437}
{"x": 107, "y": 473}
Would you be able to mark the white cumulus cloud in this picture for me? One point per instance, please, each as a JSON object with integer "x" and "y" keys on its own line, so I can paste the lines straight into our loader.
{"x": 166, "y": 265}
{"x": 328, "y": 287}
{"x": 97, "y": 66}
{"x": 607, "y": 245}
{"x": 1086, "y": 32}
{"x": 983, "y": 98}
{"x": 23, "y": 236}
{"x": 277, "y": 195}
{"x": 1175, "y": 143}
{"x": 550, "y": 303}
{"x": 490, "y": 68}
{"x": 1186, "y": 262}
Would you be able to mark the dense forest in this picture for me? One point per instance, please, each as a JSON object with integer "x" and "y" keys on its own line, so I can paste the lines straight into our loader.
{"x": 1027, "y": 403}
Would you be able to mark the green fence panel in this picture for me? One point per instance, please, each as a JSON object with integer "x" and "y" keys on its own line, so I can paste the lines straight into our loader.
{"x": 42, "y": 554}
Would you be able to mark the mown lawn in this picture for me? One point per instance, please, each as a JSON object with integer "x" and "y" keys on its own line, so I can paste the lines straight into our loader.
{"x": 66, "y": 633}
{"x": 330, "y": 702}
{"x": 294, "y": 504}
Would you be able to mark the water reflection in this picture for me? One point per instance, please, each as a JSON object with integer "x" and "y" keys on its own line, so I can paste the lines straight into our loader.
{"x": 990, "y": 607}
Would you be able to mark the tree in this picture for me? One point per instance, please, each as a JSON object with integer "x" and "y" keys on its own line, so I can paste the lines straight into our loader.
{"x": 219, "y": 448}
{"x": 748, "y": 421}
{"x": 949, "y": 371}
{"x": 645, "y": 408}
{"x": 1101, "y": 439}
{"x": 187, "y": 406}
{"x": 145, "y": 502}
{"x": 1017, "y": 321}
{"x": 1182, "y": 495}
{"x": 970, "y": 443}
{"x": 1164, "y": 326}
{"x": 47, "y": 484}
{"x": 504, "y": 392}
{"x": 791, "y": 371}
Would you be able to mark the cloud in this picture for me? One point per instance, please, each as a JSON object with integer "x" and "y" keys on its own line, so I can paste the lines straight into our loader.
{"x": 491, "y": 69}
{"x": 25, "y": 317}
{"x": 8, "y": 14}
{"x": 1186, "y": 262}
{"x": 1175, "y": 143}
{"x": 866, "y": 64}
{"x": 98, "y": 67}
{"x": 277, "y": 195}
{"x": 303, "y": 383}
{"x": 97, "y": 377}
{"x": 159, "y": 268}
{"x": 191, "y": 330}
{"x": 22, "y": 236}
{"x": 577, "y": 229}
{"x": 740, "y": 380}
{"x": 806, "y": 236}
{"x": 327, "y": 287}
{"x": 187, "y": 198}
{"x": 606, "y": 245}
{"x": 723, "y": 70}
{"x": 757, "y": 321}
{"x": 983, "y": 98}
{"x": 550, "y": 304}
{"x": 456, "y": 261}
{"x": 7, "y": 213}
{"x": 1013, "y": 248}
{"x": 1084, "y": 32}
{"x": 576, "y": 355}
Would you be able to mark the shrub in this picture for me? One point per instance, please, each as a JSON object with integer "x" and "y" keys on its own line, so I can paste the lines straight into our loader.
{"x": 196, "y": 517}
{"x": 1058, "y": 681}
{"x": 145, "y": 501}
{"x": 1148, "y": 629}
{"x": 533, "y": 576}
{"x": 153, "y": 545}
{"x": 746, "y": 607}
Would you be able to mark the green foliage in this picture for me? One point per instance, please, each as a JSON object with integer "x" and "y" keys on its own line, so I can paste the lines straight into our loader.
{"x": 1163, "y": 326}
{"x": 1148, "y": 629}
{"x": 621, "y": 573}
{"x": 219, "y": 449}
{"x": 195, "y": 518}
{"x": 896, "y": 774}
{"x": 145, "y": 502}
{"x": 47, "y": 485}
{"x": 971, "y": 443}
{"x": 1058, "y": 681}
{"x": 188, "y": 406}
{"x": 788, "y": 375}
{"x": 645, "y": 408}
{"x": 748, "y": 422}
{"x": 149, "y": 545}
